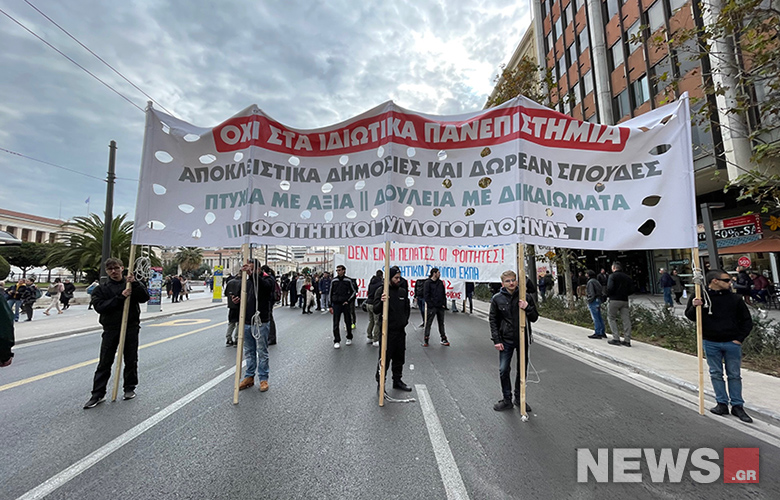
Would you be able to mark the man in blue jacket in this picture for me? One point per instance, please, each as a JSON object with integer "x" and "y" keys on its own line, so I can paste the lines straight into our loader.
{"x": 726, "y": 323}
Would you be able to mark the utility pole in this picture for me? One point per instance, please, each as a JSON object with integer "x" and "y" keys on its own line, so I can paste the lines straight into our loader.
{"x": 109, "y": 215}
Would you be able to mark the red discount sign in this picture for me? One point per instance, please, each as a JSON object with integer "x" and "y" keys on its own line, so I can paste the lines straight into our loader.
{"x": 744, "y": 261}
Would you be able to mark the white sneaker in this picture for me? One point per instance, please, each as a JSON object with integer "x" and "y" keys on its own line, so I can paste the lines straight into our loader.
{"x": 337, "y": 345}
{"x": 349, "y": 342}
{"x": 369, "y": 341}
{"x": 376, "y": 343}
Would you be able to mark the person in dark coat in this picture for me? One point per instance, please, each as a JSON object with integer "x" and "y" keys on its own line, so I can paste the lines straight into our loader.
{"x": 726, "y": 323}
{"x": 342, "y": 292}
{"x": 504, "y": 319}
{"x": 398, "y": 313}
{"x": 258, "y": 308}
{"x": 374, "y": 330}
{"x": 29, "y": 297}
{"x": 109, "y": 301}
{"x": 436, "y": 302}
{"x": 419, "y": 295}
{"x": 743, "y": 285}
{"x": 175, "y": 288}
{"x": 6, "y": 332}
{"x": 233, "y": 289}
{"x": 619, "y": 287}
{"x": 272, "y": 329}
{"x": 68, "y": 290}
{"x": 293, "y": 291}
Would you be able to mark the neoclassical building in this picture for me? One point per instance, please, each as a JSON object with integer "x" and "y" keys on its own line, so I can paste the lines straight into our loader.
{"x": 30, "y": 228}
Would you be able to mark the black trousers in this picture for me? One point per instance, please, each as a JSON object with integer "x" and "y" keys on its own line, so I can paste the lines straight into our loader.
{"x": 396, "y": 355}
{"x": 338, "y": 310}
{"x": 272, "y": 332}
{"x": 438, "y": 313}
{"x": 108, "y": 349}
{"x": 27, "y": 308}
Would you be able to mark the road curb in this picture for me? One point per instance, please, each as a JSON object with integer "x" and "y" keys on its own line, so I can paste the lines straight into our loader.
{"x": 55, "y": 335}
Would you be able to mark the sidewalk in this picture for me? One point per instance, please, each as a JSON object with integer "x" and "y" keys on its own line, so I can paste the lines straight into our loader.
{"x": 78, "y": 319}
{"x": 679, "y": 370}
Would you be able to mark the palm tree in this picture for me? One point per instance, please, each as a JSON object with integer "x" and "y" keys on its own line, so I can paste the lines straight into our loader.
{"x": 83, "y": 250}
{"x": 189, "y": 259}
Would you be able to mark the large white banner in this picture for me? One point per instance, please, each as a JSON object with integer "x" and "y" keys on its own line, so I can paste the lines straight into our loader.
{"x": 482, "y": 263}
{"x": 514, "y": 173}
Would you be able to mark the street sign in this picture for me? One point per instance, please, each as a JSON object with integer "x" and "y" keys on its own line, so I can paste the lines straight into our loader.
{"x": 744, "y": 261}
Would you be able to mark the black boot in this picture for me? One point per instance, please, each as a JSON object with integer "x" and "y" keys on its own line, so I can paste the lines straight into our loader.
{"x": 399, "y": 384}
{"x": 502, "y": 405}
{"x": 720, "y": 409}
{"x": 739, "y": 412}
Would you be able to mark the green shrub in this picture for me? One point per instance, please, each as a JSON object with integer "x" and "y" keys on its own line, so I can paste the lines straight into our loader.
{"x": 5, "y": 268}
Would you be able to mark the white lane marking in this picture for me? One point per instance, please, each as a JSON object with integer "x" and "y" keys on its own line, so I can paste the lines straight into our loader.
{"x": 448, "y": 469}
{"x": 96, "y": 456}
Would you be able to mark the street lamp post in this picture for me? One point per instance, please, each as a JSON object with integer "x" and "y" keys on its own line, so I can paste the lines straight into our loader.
{"x": 709, "y": 233}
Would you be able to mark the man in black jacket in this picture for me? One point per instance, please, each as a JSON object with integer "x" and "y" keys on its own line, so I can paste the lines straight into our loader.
{"x": 725, "y": 325}
{"x": 108, "y": 300}
{"x": 619, "y": 287}
{"x": 232, "y": 289}
{"x": 374, "y": 330}
{"x": 258, "y": 309}
{"x": 436, "y": 303}
{"x": 504, "y": 321}
{"x": 397, "y": 319}
{"x": 342, "y": 292}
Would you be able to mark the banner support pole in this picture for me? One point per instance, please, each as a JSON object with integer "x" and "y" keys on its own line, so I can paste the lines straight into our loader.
{"x": 521, "y": 325}
{"x": 699, "y": 335}
{"x": 123, "y": 328}
{"x": 241, "y": 323}
{"x": 385, "y": 312}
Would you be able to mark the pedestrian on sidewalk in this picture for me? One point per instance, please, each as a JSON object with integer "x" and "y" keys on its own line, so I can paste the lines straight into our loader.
{"x": 324, "y": 286}
{"x": 619, "y": 288}
{"x": 504, "y": 319}
{"x": 342, "y": 292}
{"x": 679, "y": 286}
{"x": 54, "y": 291}
{"x": 594, "y": 295}
{"x": 666, "y": 282}
{"x": 743, "y": 284}
{"x": 436, "y": 301}
{"x": 109, "y": 301}
{"x": 186, "y": 286}
{"x": 67, "y": 294}
{"x": 29, "y": 297}
{"x": 398, "y": 312}
{"x": 15, "y": 294}
{"x": 91, "y": 288}
{"x": 725, "y": 324}
{"x": 233, "y": 289}
{"x": 175, "y": 289}
{"x": 259, "y": 303}
{"x": 374, "y": 330}
{"x": 6, "y": 332}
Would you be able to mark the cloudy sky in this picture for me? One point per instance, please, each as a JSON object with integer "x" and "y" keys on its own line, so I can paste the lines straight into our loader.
{"x": 307, "y": 64}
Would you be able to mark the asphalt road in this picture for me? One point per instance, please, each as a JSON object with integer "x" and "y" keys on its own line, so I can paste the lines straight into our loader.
{"x": 319, "y": 433}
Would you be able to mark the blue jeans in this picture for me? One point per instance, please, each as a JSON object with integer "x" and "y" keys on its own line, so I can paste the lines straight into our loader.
{"x": 730, "y": 353}
{"x": 598, "y": 321}
{"x": 505, "y": 367}
{"x": 256, "y": 352}
{"x": 668, "y": 297}
{"x": 15, "y": 305}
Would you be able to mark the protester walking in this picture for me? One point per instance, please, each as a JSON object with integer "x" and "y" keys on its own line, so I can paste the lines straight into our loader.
{"x": 619, "y": 288}
{"x": 436, "y": 301}
{"x": 67, "y": 294}
{"x": 594, "y": 294}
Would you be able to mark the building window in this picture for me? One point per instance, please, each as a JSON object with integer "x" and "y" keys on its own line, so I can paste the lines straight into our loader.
{"x": 587, "y": 82}
{"x": 591, "y": 118}
{"x": 611, "y": 8}
{"x": 576, "y": 92}
{"x": 633, "y": 37}
{"x": 584, "y": 40}
{"x": 550, "y": 41}
{"x": 616, "y": 55}
{"x": 558, "y": 28}
{"x": 620, "y": 105}
{"x": 572, "y": 54}
{"x": 569, "y": 17}
{"x": 688, "y": 56}
{"x": 661, "y": 74}
{"x": 676, "y": 4}
{"x": 655, "y": 16}
{"x": 641, "y": 91}
{"x": 544, "y": 9}
{"x": 562, "y": 67}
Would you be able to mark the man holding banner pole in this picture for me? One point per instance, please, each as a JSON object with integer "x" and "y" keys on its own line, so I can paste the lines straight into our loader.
{"x": 259, "y": 303}
{"x": 399, "y": 309}
{"x": 504, "y": 322}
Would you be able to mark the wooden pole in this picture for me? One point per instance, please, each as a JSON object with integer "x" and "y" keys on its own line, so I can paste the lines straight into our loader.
{"x": 385, "y": 312}
{"x": 123, "y": 328}
{"x": 699, "y": 338}
{"x": 241, "y": 323}
{"x": 521, "y": 285}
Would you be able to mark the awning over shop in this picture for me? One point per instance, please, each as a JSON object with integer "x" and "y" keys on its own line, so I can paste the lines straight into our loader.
{"x": 767, "y": 244}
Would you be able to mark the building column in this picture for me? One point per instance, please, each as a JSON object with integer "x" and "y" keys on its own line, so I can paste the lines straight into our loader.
{"x": 598, "y": 47}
